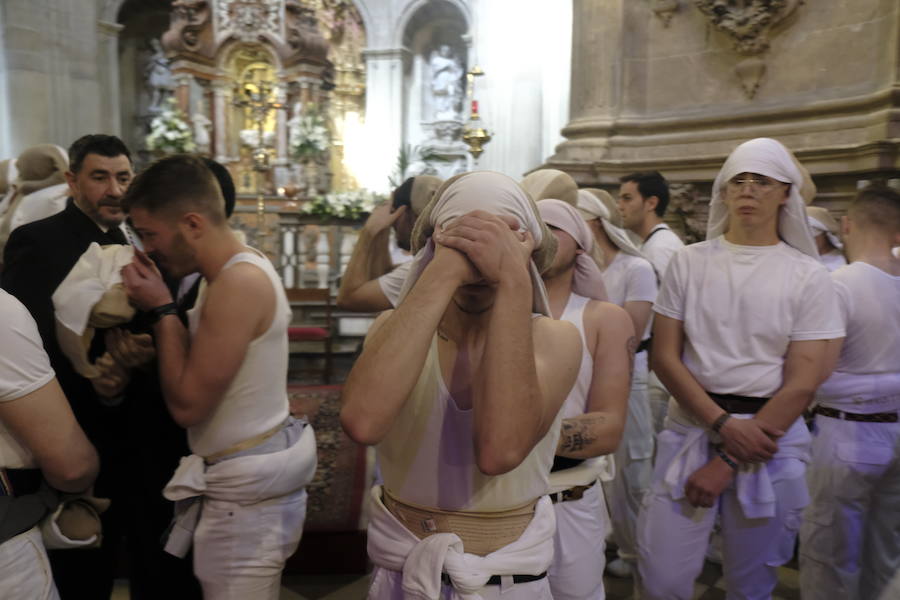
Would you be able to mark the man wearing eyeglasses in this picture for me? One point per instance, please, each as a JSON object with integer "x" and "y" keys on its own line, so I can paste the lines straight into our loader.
{"x": 740, "y": 340}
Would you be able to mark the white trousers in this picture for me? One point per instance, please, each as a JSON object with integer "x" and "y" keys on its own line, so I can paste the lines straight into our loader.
{"x": 658, "y": 396}
{"x": 673, "y": 536}
{"x": 850, "y": 537}
{"x": 578, "y": 548}
{"x": 25, "y": 568}
{"x": 387, "y": 585}
{"x": 634, "y": 466}
{"x": 240, "y": 550}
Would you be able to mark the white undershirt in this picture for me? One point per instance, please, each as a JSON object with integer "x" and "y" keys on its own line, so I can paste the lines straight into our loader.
{"x": 630, "y": 278}
{"x": 741, "y": 307}
{"x": 833, "y": 260}
{"x": 869, "y": 365}
{"x": 24, "y": 368}
{"x": 659, "y": 247}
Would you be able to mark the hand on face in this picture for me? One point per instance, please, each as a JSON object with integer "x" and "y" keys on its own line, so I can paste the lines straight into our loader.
{"x": 382, "y": 217}
{"x": 492, "y": 243}
{"x": 144, "y": 284}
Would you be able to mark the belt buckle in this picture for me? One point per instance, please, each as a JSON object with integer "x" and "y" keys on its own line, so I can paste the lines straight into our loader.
{"x": 577, "y": 492}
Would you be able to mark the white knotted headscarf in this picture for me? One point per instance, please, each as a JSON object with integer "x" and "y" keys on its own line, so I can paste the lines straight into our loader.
{"x": 588, "y": 279}
{"x": 551, "y": 183}
{"x": 493, "y": 193}
{"x": 595, "y": 203}
{"x": 765, "y": 156}
{"x": 821, "y": 221}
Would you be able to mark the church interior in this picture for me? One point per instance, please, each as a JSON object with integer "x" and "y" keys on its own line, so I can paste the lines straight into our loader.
{"x": 319, "y": 109}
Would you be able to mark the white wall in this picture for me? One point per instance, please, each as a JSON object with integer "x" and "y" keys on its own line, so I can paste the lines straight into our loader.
{"x": 5, "y": 141}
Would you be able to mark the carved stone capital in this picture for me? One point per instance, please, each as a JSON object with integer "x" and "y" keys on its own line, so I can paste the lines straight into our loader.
{"x": 664, "y": 9}
{"x": 690, "y": 211}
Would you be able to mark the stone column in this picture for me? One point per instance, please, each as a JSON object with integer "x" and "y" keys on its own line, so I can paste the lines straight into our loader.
{"x": 281, "y": 133}
{"x": 183, "y": 91}
{"x": 108, "y": 75}
{"x": 221, "y": 91}
{"x": 598, "y": 39}
{"x": 384, "y": 114}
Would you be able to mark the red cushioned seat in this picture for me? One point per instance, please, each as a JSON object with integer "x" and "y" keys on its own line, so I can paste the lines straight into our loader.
{"x": 307, "y": 334}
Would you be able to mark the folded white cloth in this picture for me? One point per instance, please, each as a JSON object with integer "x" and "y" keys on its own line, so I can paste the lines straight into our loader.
{"x": 599, "y": 468}
{"x": 39, "y": 205}
{"x": 753, "y": 482}
{"x": 392, "y": 546}
{"x": 244, "y": 480}
{"x": 588, "y": 279}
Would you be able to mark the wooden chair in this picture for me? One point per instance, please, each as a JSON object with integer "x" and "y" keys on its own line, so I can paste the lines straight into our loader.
{"x": 314, "y": 333}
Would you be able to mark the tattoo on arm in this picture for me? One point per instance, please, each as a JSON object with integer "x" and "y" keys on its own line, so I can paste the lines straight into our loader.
{"x": 577, "y": 433}
{"x": 631, "y": 347}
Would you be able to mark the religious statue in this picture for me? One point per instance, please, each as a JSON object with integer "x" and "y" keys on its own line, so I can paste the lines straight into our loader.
{"x": 293, "y": 124}
{"x": 202, "y": 125}
{"x": 446, "y": 84}
{"x": 160, "y": 82}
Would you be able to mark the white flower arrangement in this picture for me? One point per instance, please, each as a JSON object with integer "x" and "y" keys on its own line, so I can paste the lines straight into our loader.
{"x": 170, "y": 132}
{"x": 350, "y": 205}
{"x": 308, "y": 134}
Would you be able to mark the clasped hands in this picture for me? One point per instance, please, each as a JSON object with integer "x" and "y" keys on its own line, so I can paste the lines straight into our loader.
{"x": 483, "y": 247}
{"x": 744, "y": 440}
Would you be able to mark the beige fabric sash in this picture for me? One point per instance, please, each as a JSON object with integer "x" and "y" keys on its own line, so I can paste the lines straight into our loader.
{"x": 480, "y": 532}
{"x": 252, "y": 442}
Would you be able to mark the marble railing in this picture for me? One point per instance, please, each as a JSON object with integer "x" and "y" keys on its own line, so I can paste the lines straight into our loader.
{"x": 312, "y": 253}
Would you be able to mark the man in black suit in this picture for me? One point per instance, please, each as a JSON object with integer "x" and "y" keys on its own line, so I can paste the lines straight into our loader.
{"x": 136, "y": 440}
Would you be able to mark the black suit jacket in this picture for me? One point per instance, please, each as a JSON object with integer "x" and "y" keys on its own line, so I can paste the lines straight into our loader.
{"x": 37, "y": 257}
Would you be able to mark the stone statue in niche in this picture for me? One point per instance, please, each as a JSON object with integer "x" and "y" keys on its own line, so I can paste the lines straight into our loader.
{"x": 293, "y": 124}
{"x": 446, "y": 84}
{"x": 158, "y": 77}
{"x": 201, "y": 125}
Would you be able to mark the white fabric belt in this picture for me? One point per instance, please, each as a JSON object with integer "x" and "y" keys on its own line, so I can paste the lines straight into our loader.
{"x": 392, "y": 546}
{"x": 877, "y": 392}
{"x": 601, "y": 468}
{"x": 753, "y": 482}
{"x": 242, "y": 479}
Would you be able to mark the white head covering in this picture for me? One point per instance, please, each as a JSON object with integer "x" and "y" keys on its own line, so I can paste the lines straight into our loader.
{"x": 493, "y": 193}
{"x": 821, "y": 221}
{"x": 765, "y": 156}
{"x": 588, "y": 280}
{"x": 551, "y": 183}
{"x": 599, "y": 204}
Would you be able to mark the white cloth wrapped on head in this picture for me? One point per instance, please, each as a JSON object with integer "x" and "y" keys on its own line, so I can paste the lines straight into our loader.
{"x": 588, "y": 280}
{"x": 821, "y": 221}
{"x": 91, "y": 295}
{"x": 493, "y": 193}
{"x": 544, "y": 184}
{"x": 595, "y": 203}
{"x": 768, "y": 157}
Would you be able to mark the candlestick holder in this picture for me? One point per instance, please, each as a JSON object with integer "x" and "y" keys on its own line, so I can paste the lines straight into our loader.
{"x": 474, "y": 135}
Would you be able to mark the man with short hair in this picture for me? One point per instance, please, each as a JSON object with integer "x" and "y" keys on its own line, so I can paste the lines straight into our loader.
{"x": 369, "y": 283}
{"x": 37, "y": 258}
{"x": 743, "y": 320}
{"x": 241, "y": 492}
{"x": 460, "y": 389}
{"x": 643, "y": 199}
{"x": 850, "y": 537}
{"x": 594, "y": 412}
{"x": 39, "y": 439}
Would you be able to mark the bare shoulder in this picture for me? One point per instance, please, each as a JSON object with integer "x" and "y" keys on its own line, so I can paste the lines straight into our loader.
{"x": 555, "y": 339}
{"x": 607, "y": 320}
{"x": 243, "y": 277}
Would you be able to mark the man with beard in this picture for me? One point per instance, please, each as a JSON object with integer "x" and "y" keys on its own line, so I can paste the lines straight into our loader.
{"x": 37, "y": 258}
{"x": 370, "y": 284}
{"x": 241, "y": 497}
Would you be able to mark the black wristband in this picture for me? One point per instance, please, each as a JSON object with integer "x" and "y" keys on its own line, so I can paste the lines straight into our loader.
{"x": 726, "y": 458}
{"x": 717, "y": 424}
{"x": 160, "y": 311}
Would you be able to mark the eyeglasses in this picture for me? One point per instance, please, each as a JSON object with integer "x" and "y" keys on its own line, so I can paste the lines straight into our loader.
{"x": 760, "y": 183}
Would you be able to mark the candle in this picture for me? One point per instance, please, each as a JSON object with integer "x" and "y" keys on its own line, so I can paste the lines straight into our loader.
{"x": 474, "y": 108}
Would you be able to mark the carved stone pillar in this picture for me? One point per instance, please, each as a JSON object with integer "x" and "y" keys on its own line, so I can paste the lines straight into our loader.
{"x": 108, "y": 74}
{"x": 281, "y": 133}
{"x": 384, "y": 113}
{"x": 183, "y": 91}
{"x": 221, "y": 91}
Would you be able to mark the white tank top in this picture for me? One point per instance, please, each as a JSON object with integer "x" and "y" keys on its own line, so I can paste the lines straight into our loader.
{"x": 428, "y": 456}
{"x": 577, "y": 401}
{"x": 256, "y": 401}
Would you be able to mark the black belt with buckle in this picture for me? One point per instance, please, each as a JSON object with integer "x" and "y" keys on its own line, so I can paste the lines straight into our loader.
{"x": 573, "y": 493}
{"x": 740, "y": 405}
{"x": 20, "y": 482}
{"x": 561, "y": 463}
{"x": 888, "y": 417}
{"x": 497, "y": 579}
{"x": 644, "y": 345}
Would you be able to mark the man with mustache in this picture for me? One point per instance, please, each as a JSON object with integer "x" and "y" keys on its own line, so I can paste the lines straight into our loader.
{"x": 37, "y": 258}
